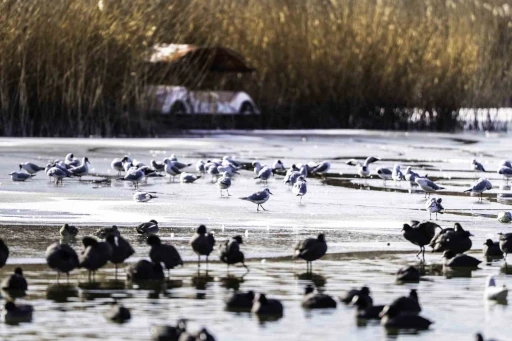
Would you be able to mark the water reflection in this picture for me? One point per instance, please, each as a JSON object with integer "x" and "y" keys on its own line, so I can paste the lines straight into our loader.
{"x": 200, "y": 282}
{"x": 317, "y": 279}
{"x": 450, "y": 272}
{"x": 231, "y": 282}
{"x": 60, "y": 293}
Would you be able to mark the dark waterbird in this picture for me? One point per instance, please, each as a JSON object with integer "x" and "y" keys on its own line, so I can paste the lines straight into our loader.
{"x": 408, "y": 274}
{"x": 202, "y": 243}
{"x": 118, "y": 313}
{"x": 230, "y": 252}
{"x": 15, "y": 285}
{"x": 404, "y": 304}
{"x": 420, "y": 234}
{"x": 150, "y": 227}
{"x": 349, "y": 295}
{"x": 240, "y": 301}
{"x": 506, "y": 243}
{"x": 103, "y": 232}
{"x": 4, "y": 253}
{"x": 68, "y": 231}
{"x": 460, "y": 260}
{"x": 168, "y": 333}
{"x": 61, "y": 258}
{"x": 14, "y": 314}
{"x": 456, "y": 240}
{"x": 164, "y": 253}
{"x": 145, "y": 270}
{"x": 121, "y": 250}
{"x": 264, "y": 306}
{"x": 202, "y": 335}
{"x": 364, "y": 306}
{"x": 492, "y": 249}
{"x": 480, "y": 337}
{"x": 95, "y": 254}
{"x": 393, "y": 318}
{"x": 312, "y": 300}
{"x": 311, "y": 249}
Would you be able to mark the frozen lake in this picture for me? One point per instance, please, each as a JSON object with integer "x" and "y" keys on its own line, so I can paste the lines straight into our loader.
{"x": 361, "y": 220}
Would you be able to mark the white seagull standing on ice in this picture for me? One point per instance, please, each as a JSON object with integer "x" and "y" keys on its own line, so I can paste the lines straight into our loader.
{"x": 224, "y": 182}
{"x": 363, "y": 169}
{"x": 480, "y": 186}
{"x": 259, "y": 198}
{"x": 434, "y": 206}
{"x": 384, "y": 174}
{"x": 300, "y": 187}
{"x": 428, "y": 186}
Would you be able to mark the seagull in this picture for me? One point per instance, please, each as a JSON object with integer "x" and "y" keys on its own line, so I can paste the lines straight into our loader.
{"x": 257, "y": 167}
{"x": 493, "y": 292}
{"x": 427, "y": 186}
{"x": 158, "y": 166}
{"x": 506, "y": 163}
{"x": 58, "y": 174}
{"x": 322, "y": 168}
{"x": 117, "y": 164}
{"x": 223, "y": 183}
{"x": 291, "y": 178}
{"x": 231, "y": 170}
{"x": 177, "y": 164}
{"x": 506, "y": 172}
{"x": 70, "y": 160}
{"x": 213, "y": 169}
{"x": 278, "y": 165}
{"x": 149, "y": 172}
{"x": 143, "y": 196}
{"x": 363, "y": 168}
{"x": 264, "y": 173}
{"x": 384, "y": 174}
{"x": 227, "y": 160}
{"x": 434, "y": 206}
{"x": 300, "y": 187}
{"x": 127, "y": 163}
{"x": 480, "y": 186}
{"x": 188, "y": 178}
{"x": 259, "y": 198}
{"x": 171, "y": 168}
{"x": 19, "y": 176}
{"x": 134, "y": 175}
{"x": 397, "y": 174}
{"x": 304, "y": 170}
{"x": 81, "y": 170}
{"x": 477, "y": 166}
{"x": 410, "y": 175}
{"x": 30, "y": 167}
{"x": 200, "y": 167}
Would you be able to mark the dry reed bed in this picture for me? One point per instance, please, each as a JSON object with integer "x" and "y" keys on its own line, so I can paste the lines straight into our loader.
{"x": 73, "y": 68}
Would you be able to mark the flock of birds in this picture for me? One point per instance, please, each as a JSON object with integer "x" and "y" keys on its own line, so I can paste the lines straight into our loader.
{"x": 402, "y": 313}
{"x": 221, "y": 170}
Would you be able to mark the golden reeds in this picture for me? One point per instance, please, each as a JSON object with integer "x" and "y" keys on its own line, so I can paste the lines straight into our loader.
{"x": 74, "y": 67}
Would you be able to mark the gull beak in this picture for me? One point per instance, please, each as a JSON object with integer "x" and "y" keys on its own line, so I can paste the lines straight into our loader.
{"x": 471, "y": 234}
{"x": 270, "y": 192}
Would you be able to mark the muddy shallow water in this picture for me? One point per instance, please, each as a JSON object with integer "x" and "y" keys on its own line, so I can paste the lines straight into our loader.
{"x": 361, "y": 220}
